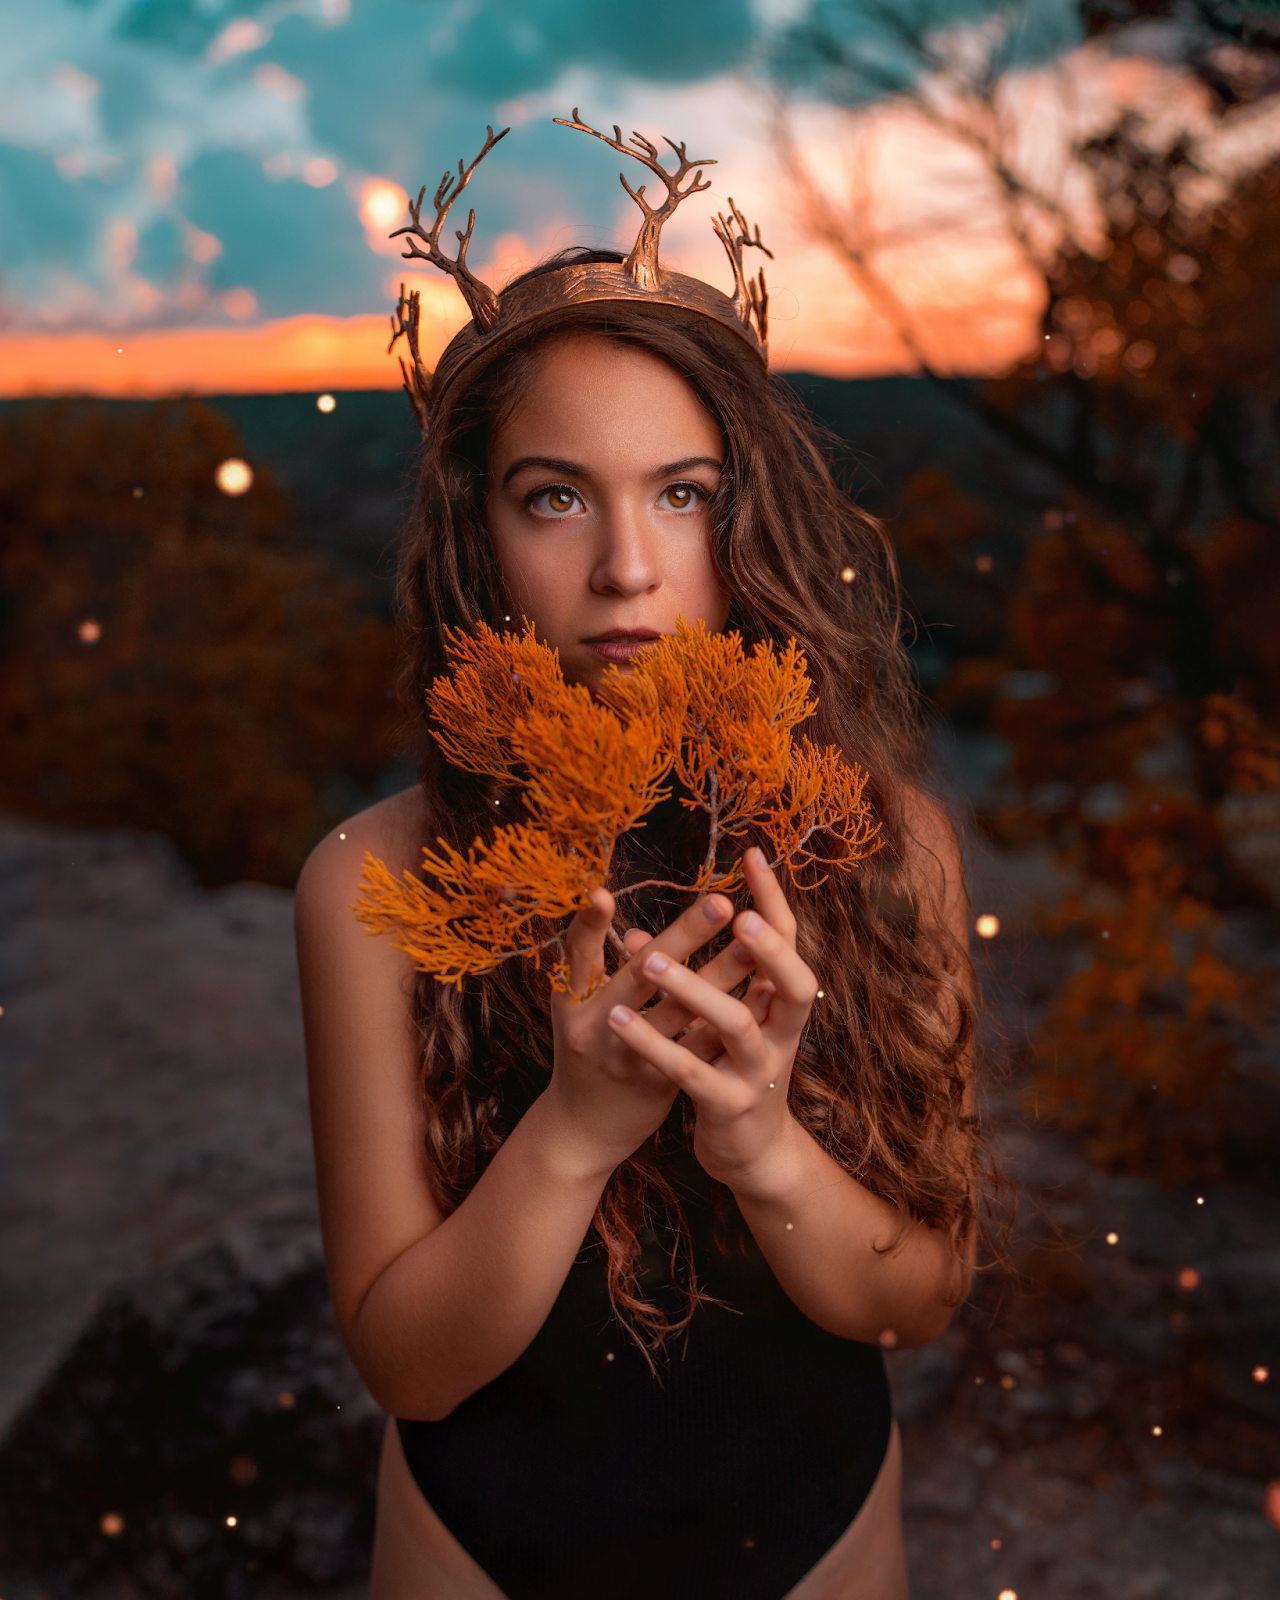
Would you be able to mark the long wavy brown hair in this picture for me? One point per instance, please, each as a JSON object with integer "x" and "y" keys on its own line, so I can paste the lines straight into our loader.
{"x": 881, "y": 1073}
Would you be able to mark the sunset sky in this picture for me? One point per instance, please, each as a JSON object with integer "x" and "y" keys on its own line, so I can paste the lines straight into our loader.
{"x": 195, "y": 194}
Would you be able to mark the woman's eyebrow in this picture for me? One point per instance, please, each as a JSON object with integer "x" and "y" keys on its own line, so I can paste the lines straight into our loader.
{"x": 672, "y": 468}
{"x": 574, "y": 469}
{"x": 571, "y": 469}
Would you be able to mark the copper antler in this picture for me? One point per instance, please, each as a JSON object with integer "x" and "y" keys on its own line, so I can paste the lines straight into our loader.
{"x": 750, "y": 297}
{"x": 642, "y": 264}
{"x": 479, "y": 296}
{"x": 417, "y": 383}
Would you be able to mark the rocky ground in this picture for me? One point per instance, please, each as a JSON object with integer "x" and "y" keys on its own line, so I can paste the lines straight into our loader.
{"x": 168, "y": 1360}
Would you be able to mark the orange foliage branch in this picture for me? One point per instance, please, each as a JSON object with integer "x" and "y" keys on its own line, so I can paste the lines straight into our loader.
{"x": 696, "y": 707}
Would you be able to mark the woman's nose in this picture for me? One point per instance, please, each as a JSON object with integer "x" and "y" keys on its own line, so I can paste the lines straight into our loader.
{"x": 627, "y": 563}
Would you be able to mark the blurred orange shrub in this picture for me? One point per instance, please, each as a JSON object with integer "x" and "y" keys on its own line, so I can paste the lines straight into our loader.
{"x": 172, "y": 658}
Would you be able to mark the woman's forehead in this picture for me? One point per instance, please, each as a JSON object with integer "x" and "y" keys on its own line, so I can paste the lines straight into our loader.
{"x": 595, "y": 394}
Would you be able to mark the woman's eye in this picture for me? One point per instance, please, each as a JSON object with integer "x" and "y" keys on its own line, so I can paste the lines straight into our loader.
{"x": 557, "y": 501}
{"x": 680, "y": 496}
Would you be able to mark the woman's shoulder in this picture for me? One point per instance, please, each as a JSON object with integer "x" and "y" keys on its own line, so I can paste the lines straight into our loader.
{"x": 393, "y": 830}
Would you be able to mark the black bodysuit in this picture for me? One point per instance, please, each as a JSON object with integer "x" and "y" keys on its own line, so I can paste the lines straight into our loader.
{"x": 579, "y": 1475}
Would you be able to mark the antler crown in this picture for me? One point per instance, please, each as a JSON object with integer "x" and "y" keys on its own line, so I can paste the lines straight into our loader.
{"x": 640, "y": 277}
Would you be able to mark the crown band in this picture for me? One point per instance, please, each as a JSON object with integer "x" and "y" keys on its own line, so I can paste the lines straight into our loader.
{"x": 497, "y": 320}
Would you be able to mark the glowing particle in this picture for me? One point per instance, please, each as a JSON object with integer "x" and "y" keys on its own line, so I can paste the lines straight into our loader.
{"x": 608, "y": 1355}
{"x": 240, "y": 303}
{"x": 773, "y": 1085}
{"x": 231, "y": 1522}
{"x": 1188, "y": 1278}
{"x": 137, "y": 494}
{"x": 382, "y": 205}
{"x": 987, "y": 926}
{"x": 342, "y": 836}
{"x": 888, "y": 1339}
{"x": 1113, "y": 1238}
{"x": 997, "y": 1544}
{"x": 319, "y": 172}
{"x": 111, "y": 1523}
{"x": 790, "y": 1226}
{"x": 1199, "y": 1199}
{"x": 325, "y": 403}
{"x": 234, "y": 476}
{"x": 286, "y": 1401}
{"x": 822, "y": 994}
{"x": 1271, "y": 1503}
{"x": 1007, "y": 1594}
{"x": 89, "y": 631}
{"x": 1261, "y": 1374}
{"x": 979, "y": 1381}
{"x": 848, "y": 574}
{"x": 1156, "y": 1431}
{"x": 984, "y": 563}
{"x": 1008, "y": 1381}
{"x": 1, "y": 1011}
{"x": 120, "y": 350}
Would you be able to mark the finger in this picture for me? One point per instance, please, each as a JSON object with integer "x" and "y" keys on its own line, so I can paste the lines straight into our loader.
{"x": 726, "y": 970}
{"x": 768, "y": 894}
{"x": 709, "y": 1086}
{"x": 795, "y": 987}
{"x": 691, "y": 930}
{"x": 584, "y": 942}
{"x": 635, "y": 939}
{"x": 731, "y": 1019}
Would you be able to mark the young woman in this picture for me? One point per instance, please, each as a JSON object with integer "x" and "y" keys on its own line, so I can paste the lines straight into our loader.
{"x": 620, "y": 1269}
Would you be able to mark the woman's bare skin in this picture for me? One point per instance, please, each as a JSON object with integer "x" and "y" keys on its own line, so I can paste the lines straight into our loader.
{"x": 415, "y": 1557}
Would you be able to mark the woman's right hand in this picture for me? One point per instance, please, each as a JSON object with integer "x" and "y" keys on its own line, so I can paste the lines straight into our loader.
{"x": 606, "y": 1099}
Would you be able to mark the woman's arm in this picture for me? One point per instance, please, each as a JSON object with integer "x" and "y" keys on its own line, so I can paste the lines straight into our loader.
{"x": 826, "y": 1237}
{"x": 433, "y": 1308}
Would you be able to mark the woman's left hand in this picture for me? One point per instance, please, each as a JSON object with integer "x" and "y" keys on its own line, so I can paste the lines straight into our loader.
{"x": 741, "y": 1091}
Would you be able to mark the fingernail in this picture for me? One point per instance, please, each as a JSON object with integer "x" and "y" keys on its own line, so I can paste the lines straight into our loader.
{"x": 712, "y": 910}
{"x": 656, "y": 963}
{"x": 739, "y": 952}
{"x": 620, "y": 1016}
{"x": 752, "y": 924}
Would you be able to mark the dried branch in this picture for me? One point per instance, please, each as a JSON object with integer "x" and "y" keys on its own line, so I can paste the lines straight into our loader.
{"x": 695, "y": 706}
{"x": 480, "y": 298}
{"x": 750, "y": 297}
{"x": 417, "y": 380}
{"x": 642, "y": 264}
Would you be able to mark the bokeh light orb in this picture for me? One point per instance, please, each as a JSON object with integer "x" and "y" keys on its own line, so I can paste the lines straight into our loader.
{"x": 848, "y": 574}
{"x": 1261, "y": 1374}
{"x": 325, "y": 403}
{"x": 89, "y": 631}
{"x": 987, "y": 926}
{"x": 234, "y": 476}
{"x": 1271, "y": 1503}
{"x": 111, "y": 1523}
{"x": 382, "y": 204}
{"x": 1188, "y": 1278}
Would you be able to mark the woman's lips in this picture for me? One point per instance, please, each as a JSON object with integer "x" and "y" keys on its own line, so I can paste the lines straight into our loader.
{"x": 618, "y": 646}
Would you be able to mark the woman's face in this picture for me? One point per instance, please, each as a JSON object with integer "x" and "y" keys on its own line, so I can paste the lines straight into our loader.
{"x": 597, "y": 504}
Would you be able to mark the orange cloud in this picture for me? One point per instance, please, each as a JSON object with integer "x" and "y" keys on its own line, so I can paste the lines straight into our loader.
{"x": 293, "y": 353}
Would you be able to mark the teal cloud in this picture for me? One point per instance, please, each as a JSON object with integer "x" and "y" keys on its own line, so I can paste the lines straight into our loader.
{"x": 132, "y": 129}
